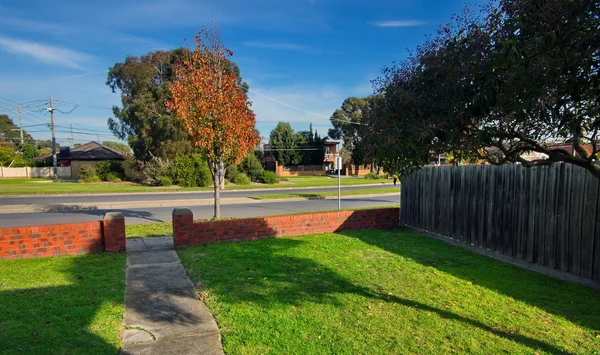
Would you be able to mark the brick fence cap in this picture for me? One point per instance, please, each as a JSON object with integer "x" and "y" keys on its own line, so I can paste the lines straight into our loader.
{"x": 113, "y": 215}
{"x": 178, "y": 211}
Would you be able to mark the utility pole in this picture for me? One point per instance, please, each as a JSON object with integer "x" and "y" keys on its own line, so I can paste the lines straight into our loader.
{"x": 20, "y": 123}
{"x": 51, "y": 109}
{"x": 72, "y": 139}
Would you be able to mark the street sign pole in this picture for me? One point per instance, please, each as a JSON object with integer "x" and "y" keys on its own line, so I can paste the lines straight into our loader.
{"x": 338, "y": 163}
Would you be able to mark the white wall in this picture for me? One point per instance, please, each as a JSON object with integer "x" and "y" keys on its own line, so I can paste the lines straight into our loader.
{"x": 27, "y": 172}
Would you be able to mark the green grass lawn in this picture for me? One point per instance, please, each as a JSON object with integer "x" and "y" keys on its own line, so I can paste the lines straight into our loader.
{"x": 324, "y": 194}
{"x": 160, "y": 229}
{"x": 62, "y": 305}
{"x": 48, "y": 186}
{"x": 373, "y": 292}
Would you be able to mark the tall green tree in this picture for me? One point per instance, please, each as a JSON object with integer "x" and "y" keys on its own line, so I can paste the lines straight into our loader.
{"x": 144, "y": 121}
{"x": 10, "y": 132}
{"x": 347, "y": 122}
{"x": 285, "y": 144}
{"x": 519, "y": 79}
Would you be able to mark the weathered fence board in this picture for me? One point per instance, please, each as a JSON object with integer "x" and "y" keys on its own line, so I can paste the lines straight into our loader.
{"x": 546, "y": 215}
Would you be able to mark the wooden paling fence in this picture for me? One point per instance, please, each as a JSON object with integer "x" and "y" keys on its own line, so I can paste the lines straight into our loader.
{"x": 545, "y": 215}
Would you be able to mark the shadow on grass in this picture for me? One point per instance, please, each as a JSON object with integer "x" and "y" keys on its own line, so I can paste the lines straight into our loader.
{"x": 64, "y": 319}
{"x": 576, "y": 303}
{"x": 267, "y": 274}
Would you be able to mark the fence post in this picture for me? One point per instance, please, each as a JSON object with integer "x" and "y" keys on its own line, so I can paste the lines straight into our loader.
{"x": 183, "y": 224}
{"x": 113, "y": 230}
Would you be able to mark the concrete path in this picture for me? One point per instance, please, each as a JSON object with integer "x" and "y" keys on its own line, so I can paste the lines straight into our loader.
{"x": 163, "y": 312}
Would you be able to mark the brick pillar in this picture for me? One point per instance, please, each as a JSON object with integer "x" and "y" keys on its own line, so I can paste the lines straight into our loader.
{"x": 113, "y": 232}
{"x": 183, "y": 226}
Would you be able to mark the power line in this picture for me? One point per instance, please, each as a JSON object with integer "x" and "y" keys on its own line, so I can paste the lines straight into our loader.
{"x": 84, "y": 105}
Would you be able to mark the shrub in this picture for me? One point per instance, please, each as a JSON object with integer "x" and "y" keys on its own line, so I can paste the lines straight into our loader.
{"x": 88, "y": 172}
{"x": 157, "y": 168}
{"x": 191, "y": 171}
{"x": 283, "y": 178}
{"x": 93, "y": 178}
{"x": 106, "y": 168}
{"x": 252, "y": 167}
{"x": 241, "y": 179}
{"x": 112, "y": 177}
{"x": 268, "y": 177}
{"x": 166, "y": 181}
{"x": 370, "y": 176}
{"x": 231, "y": 172}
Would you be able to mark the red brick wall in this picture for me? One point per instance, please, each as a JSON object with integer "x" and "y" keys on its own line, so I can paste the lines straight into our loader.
{"x": 63, "y": 239}
{"x": 186, "y": 232}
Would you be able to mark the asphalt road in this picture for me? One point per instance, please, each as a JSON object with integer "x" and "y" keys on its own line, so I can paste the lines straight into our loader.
{"x": 163, "y": 214}
{"x": 7, "y": 200}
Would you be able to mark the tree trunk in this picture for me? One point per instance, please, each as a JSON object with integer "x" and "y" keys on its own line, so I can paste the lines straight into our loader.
{"x": 215, "y": 169}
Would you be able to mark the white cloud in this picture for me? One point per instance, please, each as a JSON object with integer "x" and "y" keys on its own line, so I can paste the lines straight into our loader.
{"x": 284, "y": 46}
{"x": 398, "y": 23}
{"x": 44, "y": 27}
{"x": 44, "y": 52}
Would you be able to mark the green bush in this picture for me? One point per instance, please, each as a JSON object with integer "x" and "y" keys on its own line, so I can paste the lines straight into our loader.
{"x": 283, "y": 178}
{"x": 112, "y": 177}
{"x": 241, "y": 179}
{"x": 106, "y": 168}
{"x": 252, "y": 167}
{"x": 370, "y": 176}
{"x": 166, "y": 181}
{"x": 231, "y": 172}
{"x": 156, "y": 168}
{"x": 88, "y": 172}
{"x": 268, "y": 177}
{"x": 93, "y": 178}
{"x": 191, "y": 171}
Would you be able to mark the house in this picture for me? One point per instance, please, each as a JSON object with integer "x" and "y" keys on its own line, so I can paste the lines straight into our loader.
{"x": 91, "y": 153}
{"x": 299, "y": 170}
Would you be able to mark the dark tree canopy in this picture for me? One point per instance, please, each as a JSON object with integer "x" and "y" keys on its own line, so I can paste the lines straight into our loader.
{"x": 294, "y": 148}
{"x": 347, "y": 126}
{"x": 520, "y": 79}
{"x": 10, "y": 132}
{"x": 144, "y": 122}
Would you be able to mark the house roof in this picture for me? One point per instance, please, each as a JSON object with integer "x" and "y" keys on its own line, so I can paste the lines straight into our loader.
{"x": 89, "y": 151}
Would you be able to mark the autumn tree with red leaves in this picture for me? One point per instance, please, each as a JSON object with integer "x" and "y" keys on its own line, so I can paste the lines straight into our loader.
{"x": 213, "y": 109}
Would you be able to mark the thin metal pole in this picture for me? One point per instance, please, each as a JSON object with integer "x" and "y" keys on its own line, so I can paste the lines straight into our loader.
{"x": 339, "y": 187}
{"x": 51, "y": 109}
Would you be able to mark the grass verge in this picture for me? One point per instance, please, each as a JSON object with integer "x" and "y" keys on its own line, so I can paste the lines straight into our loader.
{"x": 324, "y": 194}
{"x": 48, "y": 186}
{"x": 374, "y": 292}
{"x": 160, "y": 229}
{"x": 62, "y": 305}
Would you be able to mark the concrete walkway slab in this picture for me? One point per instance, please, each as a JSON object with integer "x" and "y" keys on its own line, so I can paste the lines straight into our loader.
{"x": 180, "y": 346}
{"x": 155, "y": 243}
{"x": 163, "y": 312}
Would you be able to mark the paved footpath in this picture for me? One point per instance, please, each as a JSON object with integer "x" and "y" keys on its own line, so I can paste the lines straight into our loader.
{"x": 163, "y": 312}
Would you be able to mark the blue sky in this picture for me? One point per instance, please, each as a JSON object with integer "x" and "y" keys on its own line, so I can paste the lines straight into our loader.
{"x": 301, "y": 58}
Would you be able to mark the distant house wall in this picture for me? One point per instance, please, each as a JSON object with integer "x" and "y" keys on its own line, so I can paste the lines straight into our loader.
{"x": 300, "y": 170}
{"x": 356, "y": 170}
{"x": 29, "y": 172}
